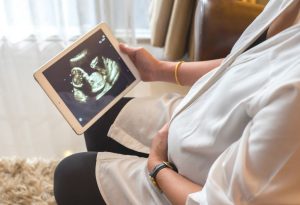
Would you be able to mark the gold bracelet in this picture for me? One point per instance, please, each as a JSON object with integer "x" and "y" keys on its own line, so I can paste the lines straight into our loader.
{"x": 176, "y": 72}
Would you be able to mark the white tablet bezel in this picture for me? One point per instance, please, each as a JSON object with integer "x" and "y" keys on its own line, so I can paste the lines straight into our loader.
{"x": 56, "y": 99}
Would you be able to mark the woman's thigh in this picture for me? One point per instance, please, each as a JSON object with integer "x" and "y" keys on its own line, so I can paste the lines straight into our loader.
{"x": 75, "y": 180}
{"x": 96, "y": 136}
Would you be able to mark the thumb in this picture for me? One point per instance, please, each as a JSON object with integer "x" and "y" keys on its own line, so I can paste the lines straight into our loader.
{"x": 165, "y": 129}
{"x": 126, "y": 49}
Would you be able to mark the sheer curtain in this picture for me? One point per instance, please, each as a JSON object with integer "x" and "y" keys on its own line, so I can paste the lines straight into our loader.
{"x": 31, "y": 32}
{"x": 64, "y": 19}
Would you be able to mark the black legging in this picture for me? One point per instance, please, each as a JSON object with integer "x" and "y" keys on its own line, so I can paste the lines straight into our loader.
{"x": 74, "y": 177}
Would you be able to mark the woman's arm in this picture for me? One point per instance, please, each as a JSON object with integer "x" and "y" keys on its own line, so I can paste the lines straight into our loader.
{"x": 188, "y": 73}
{"x": 173, "y": 185}
{"x": 152, "y": 69}
{"x": 176, "y": 187}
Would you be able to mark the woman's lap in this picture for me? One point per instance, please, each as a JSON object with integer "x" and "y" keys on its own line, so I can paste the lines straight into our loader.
{"x": 96, "y": 136}
{"x": 74, "y": 178}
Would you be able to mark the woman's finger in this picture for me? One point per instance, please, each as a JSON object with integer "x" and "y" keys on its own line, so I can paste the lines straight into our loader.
{"x": 128, "y": 50}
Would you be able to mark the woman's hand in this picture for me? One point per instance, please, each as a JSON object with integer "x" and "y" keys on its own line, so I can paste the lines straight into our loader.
{"x": 151, "y": 69}
{"x": 159, "y": 148}
{"x": 147, "y": 65}
{"x": 168, "y": 179}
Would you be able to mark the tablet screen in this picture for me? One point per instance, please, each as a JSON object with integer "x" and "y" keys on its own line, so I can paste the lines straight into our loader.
{"x": 89, "y": 77}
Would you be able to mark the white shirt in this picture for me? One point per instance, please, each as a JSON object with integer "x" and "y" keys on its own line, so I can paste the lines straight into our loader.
{"x": 237, "y": 132}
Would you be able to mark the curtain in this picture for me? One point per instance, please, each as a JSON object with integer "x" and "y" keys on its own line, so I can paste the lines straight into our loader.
{"x": 31, "y": 33}
{"x": 171, "y": 26}
{"x": 63, "y": 19}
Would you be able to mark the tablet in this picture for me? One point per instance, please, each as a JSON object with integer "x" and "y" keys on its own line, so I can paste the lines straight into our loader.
{"x": 86, "y": 79}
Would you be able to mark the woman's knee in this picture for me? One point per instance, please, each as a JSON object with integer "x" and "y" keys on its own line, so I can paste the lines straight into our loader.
{"x": 75, "y": 180}
{"x": 66, "y": 169}
{"x": 64, "y": 177}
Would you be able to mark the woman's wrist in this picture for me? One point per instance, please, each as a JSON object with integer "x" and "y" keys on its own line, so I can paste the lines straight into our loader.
{"x": 166, "y": 71}
{"x": 152, "y": 163}
{"x": 159, "y": 168}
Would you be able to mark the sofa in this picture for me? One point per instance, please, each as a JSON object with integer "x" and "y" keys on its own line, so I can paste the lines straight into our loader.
{"x": 218, "y": 24}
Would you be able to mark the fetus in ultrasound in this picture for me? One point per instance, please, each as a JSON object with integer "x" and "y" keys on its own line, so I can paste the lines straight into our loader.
{"x": 92, "y": 76}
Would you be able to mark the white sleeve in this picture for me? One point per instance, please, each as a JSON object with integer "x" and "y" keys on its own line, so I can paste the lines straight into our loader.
{"x": 263, "y": 166}
{"x": 193, "y": 199}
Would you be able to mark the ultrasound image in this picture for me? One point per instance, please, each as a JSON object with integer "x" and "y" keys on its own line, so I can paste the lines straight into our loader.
{"x": 89, "y": 77}
{"x": 104, "y": 75}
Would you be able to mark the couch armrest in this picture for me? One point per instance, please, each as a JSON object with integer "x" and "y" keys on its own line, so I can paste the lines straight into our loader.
{"x": 218, "y": 25}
